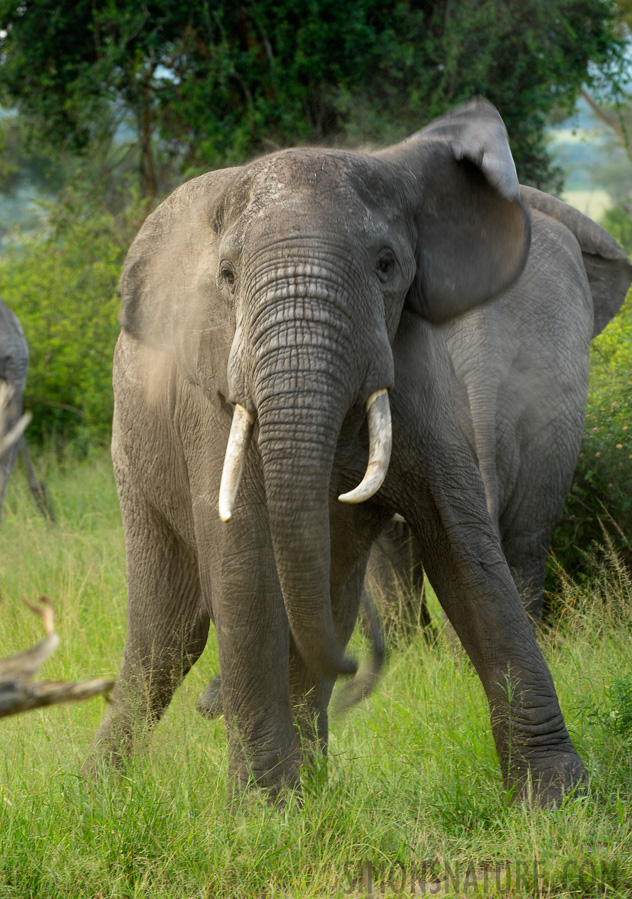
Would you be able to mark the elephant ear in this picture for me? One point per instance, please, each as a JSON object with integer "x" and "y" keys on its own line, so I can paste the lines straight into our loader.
{"x": 168, "y": 284}
{"x": 608, "y": 268}
{"x": 473, "y": 231}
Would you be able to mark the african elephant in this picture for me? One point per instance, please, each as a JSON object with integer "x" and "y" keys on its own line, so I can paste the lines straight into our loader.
{"x": 14, "y": 363}
{"x": 519, "y": 379}
{"x": 303, "y": 296}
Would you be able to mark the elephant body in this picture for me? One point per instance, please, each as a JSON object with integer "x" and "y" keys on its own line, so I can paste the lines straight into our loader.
{"x": 14, "y": 363}
{"x": 519, "y": 380}
{"x": 272, "y": 315}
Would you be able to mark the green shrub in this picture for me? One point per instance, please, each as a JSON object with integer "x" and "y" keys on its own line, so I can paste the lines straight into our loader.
{"x": 619, "y": 223}
{"x": 619, "y": 711}
{"x": 62, "y": 286}
{"x": 613, "y": 709}
{"x": 600, "y": 499}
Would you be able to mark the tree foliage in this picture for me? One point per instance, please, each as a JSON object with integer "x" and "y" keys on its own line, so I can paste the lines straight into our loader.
{"x": 201, "y": 84}
{"x": 63, "y": 290}
{"x": 157, "y": 91}
{"x": 19, "y": 166}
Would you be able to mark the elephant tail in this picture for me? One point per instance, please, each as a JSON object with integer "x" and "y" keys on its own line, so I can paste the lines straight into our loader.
{"x": 368, "y": 676}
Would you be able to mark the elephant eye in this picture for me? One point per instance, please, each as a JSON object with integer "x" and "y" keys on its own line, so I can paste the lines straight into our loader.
{"x": 385, "y": 265}
{"x": 228, "y": 275}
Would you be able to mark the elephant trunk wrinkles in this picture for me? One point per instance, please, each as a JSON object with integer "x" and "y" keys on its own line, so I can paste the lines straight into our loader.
{"x": 304, "y": 382}
{"x": 309, "y": 363}
{"x": 297, "y": 449}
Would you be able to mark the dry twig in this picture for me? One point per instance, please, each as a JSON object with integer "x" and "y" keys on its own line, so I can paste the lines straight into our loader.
{"x": 18, "y": 693}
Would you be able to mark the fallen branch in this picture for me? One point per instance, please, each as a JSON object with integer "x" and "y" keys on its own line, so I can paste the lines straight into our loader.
{"x": 17, "y": 691}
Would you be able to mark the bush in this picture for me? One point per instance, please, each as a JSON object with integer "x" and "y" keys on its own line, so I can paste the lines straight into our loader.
{"x": 618, "y": 222}
{"x": 619, "y": 712}
{"x": 600, "y": 499}
{"x": 63, "y": 289}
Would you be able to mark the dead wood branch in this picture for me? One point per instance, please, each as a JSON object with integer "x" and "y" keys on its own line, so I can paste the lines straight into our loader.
{"x": 18, "y": 693}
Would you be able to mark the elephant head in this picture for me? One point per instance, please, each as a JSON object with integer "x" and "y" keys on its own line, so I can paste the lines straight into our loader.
{"x": 278, "y": 287}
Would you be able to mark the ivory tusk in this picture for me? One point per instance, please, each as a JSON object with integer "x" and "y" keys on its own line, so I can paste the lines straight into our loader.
{"x": 12, "y": 436}
{"x": 380, "y": 444}
{"x": 236, "y": 452}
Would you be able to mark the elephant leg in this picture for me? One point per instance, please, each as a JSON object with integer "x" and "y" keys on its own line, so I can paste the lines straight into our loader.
{"x": 37, "y": 487}
{"x": 209, "y": 705}
{"x": 166, "y": 632}
{"x": 526, "y": 557}
{"x": 272, "y": 702}
{"x": 352, "y": 533}
{"x": 395, "y": 578}
{"x": 7, "y": 461}
{"x": 6, "y": 467}
{"x": 310, "y": 694}
{"x": 253, "y": 641}
{"x": 435, "y": 483}
{"x": 531, "y": 511}
{"x": 476, "y": 590}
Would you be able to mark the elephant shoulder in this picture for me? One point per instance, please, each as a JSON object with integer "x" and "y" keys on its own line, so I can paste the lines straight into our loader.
{"x": 607, "y": 266}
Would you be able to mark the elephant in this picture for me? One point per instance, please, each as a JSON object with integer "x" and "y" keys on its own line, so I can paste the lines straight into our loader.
{"x": 283, "y": 323}
{"x": 519, "y": 379}
{"x": 14, "y": 363}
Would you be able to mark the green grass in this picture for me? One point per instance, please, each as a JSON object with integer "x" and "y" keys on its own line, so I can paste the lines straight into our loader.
{"x": 412, "y": 792}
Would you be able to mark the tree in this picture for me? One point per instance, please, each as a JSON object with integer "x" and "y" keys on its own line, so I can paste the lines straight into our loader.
{"x": 189, "y": 86}
{"x": 62, "y": 286}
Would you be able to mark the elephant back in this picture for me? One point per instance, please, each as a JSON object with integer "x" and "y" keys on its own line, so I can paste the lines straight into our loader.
{"x": 608, "y": 268}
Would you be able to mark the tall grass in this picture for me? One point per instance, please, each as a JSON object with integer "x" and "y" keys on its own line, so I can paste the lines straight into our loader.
{"x": 410, "y": 801}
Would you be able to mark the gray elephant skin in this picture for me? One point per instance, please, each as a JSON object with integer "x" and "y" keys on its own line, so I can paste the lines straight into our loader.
{"x": 519, "y": 382}
{"x": 290, "y": 294}
{"x": 14, "y": 364}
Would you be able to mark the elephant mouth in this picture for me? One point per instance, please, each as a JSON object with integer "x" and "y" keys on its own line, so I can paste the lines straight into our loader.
{"x": 380, "y": 444}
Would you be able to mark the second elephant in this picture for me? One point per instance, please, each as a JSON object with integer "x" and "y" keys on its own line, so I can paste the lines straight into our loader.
{"x": 14, "y": 363}
{"x": 519, "y": 381}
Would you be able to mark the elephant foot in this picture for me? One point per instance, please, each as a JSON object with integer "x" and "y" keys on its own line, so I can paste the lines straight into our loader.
{"x": 275, "y": 779}
{"x": 102, "y": 760}
{"x": 547, "y": 786}
{"x": 123, "y": 734}
{"x": 210, "y": 702}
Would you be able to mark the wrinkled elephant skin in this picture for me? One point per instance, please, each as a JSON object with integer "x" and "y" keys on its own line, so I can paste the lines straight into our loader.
{"x": 297, "y": 290}
{"x": 519, "y": 385}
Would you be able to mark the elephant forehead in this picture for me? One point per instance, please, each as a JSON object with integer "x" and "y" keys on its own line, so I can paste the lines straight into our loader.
{"x": 305, "y": 168}
{"x": 295, "y": 190}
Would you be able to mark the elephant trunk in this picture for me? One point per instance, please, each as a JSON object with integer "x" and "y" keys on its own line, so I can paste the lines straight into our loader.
{"x": 297, "y": 451}
{"x": 297, "y": 448}
{"x": 307, "y": 364}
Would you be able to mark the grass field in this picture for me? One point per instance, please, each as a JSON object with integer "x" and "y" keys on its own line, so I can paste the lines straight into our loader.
{"x": 410, "y": 804}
